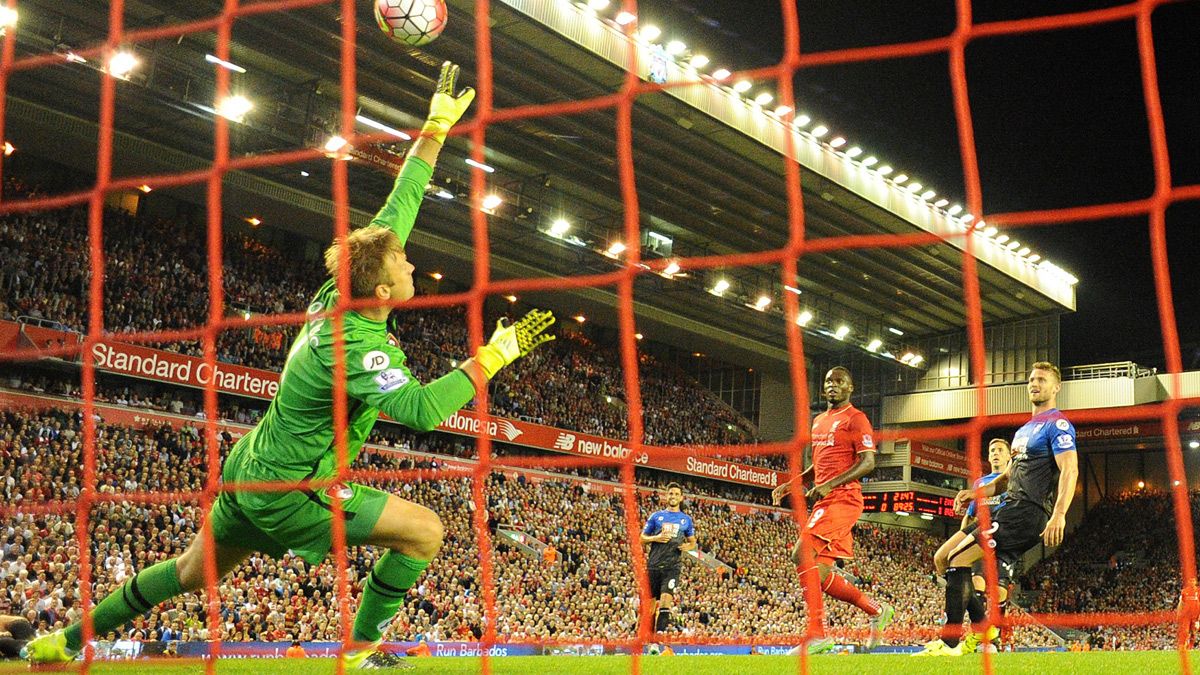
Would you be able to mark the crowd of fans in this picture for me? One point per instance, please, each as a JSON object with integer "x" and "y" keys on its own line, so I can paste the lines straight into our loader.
{"x": 188, "y": 402}
{"x": 575, "y": 383}
{"x": 1131, "y": 568}
{"x": 156, "y": 279}
{"x": 586, "y": 591}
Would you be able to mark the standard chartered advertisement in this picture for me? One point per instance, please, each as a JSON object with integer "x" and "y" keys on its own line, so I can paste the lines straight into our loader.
{"x": 189, "y": 370}
{"x": 164, "y": 366}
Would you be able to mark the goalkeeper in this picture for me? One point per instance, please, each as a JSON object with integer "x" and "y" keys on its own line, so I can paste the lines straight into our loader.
{"x": 295, "y": 439}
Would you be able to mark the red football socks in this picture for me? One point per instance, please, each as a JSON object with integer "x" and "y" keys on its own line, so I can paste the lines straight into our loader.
{"x": 837, "y": 587}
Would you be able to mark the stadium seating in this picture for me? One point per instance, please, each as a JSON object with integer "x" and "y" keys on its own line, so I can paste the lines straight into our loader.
{"x": 588, "y": 591}
{"x": 188, "y": 402}
{"x": 156, "y": 280}
{"x": 1130, "y": 568}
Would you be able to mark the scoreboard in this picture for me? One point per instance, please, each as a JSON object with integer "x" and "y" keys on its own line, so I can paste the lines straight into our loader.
{"x": 908, "y": 502}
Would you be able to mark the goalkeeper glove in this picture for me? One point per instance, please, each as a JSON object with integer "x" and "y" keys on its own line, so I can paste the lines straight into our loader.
{"x": 446, "y": 107}
{"x": 509, "y": 343}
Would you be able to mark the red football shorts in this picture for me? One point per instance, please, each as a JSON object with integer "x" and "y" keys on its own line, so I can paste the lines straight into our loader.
{"x": 828, "y": 532}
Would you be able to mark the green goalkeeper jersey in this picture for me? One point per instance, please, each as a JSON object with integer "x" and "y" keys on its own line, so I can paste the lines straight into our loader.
{"x": 295, "y": 438}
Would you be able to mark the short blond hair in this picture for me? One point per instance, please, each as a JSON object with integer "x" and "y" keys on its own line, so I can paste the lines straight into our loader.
{"x": 368, "y": 249}
{"x": 1046, "y": 365}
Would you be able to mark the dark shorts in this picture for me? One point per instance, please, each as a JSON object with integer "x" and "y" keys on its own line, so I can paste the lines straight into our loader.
{"x": 663, "y": 581}
{"x": 1015, "y": 529}
{"x": 21, "y": 632}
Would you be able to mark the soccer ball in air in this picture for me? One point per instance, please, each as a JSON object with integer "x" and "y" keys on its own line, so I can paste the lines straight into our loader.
{"x": 412, "y": 22}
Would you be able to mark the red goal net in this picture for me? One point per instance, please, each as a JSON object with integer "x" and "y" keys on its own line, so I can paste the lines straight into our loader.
{"x": 482, "y": 116}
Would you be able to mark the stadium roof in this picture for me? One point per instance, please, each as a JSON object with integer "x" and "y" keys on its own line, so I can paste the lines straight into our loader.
{"x": 703, "y": 183}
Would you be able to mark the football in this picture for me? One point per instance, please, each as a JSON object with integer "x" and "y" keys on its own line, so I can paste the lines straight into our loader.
{"x": 412, "y": 22}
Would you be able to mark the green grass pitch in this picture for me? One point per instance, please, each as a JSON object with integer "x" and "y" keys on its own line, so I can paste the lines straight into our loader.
{"x": 1092, "y": 663}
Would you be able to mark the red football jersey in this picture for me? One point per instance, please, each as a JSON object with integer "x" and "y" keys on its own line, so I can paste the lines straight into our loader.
{"x": 837, "y": 437}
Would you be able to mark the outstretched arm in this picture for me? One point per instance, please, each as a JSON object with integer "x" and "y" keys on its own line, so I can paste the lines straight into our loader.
{"x": 399, "y": 212}
{"x": 377, "y": 374}
{"x": 446, "y": 108}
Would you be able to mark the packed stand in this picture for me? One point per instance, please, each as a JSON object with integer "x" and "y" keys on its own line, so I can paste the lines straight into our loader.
{"x": 1133, "y": 568}
{"x": 585, "y": 591}
{"x": 156, "y": 280}
{"x": 189, "y": 402}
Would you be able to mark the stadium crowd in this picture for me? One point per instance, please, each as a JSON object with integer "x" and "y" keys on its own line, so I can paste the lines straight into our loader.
{"x": 1133, "y": 568}
{"x": 187, "y": 402}
{"x": 586, "y": 589}
{"x": 155, "y": 280}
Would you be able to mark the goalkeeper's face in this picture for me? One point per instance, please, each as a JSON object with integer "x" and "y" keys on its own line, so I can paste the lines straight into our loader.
{"x": 397, "y": 278}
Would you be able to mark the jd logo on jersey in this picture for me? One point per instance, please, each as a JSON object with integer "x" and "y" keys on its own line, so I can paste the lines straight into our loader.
{"x": 376, "y": 360}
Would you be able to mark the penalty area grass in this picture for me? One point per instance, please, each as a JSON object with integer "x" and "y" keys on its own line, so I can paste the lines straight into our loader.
{"x": 1045, "y": 663}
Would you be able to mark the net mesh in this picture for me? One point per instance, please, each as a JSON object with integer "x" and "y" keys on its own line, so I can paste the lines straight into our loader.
{"x": 622, "y": 101}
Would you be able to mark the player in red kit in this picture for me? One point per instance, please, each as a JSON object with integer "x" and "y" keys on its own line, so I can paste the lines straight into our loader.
{"x": 843, "y": 451}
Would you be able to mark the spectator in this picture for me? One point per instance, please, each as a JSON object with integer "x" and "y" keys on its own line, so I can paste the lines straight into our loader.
{"x": 589, "y": 593}
{"x": 155, "y": 280}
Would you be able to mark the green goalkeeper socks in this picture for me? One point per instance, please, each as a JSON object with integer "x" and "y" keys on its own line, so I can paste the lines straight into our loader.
{"x": 384, "y": 592}
{"x": 135, "y": 597}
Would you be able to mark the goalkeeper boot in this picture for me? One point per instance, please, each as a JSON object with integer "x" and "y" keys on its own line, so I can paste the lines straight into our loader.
{"x": 879, "y": 622}
{"x": 49, "y": 648}
{"x": 973, "y": 640}
{"x": 939, "y": 648}
{"x": 375, "y": 658}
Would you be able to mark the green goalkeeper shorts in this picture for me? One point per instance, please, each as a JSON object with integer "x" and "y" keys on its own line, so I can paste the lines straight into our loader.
{"x": 299, "y": 521}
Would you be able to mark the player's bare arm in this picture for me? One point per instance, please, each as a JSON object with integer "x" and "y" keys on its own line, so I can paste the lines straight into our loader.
{"x": 864, "y": 466}
{"x": 688, "y": 545}
{"x": 964, "y": 497}
{"x": 1068, "y": 474}
{"x": 660, "y": 538}
{"x": 781, "y": 491}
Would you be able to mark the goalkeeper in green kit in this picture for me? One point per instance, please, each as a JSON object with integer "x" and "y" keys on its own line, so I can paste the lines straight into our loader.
{"x": 295, "y": 439}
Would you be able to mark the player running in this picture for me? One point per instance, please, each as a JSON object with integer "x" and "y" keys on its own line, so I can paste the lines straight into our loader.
{"x": 1044, "y": 461}
{"x": 843, "y": 451}
{"x": 670, "y": 533}
{"x": 999, "y": 454}
{"x": 295, "y": 439}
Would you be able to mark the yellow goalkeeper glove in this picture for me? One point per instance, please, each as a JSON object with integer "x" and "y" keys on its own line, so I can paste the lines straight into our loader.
{"x": 510, "y": 343}
{"x": 447, "y": 106}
